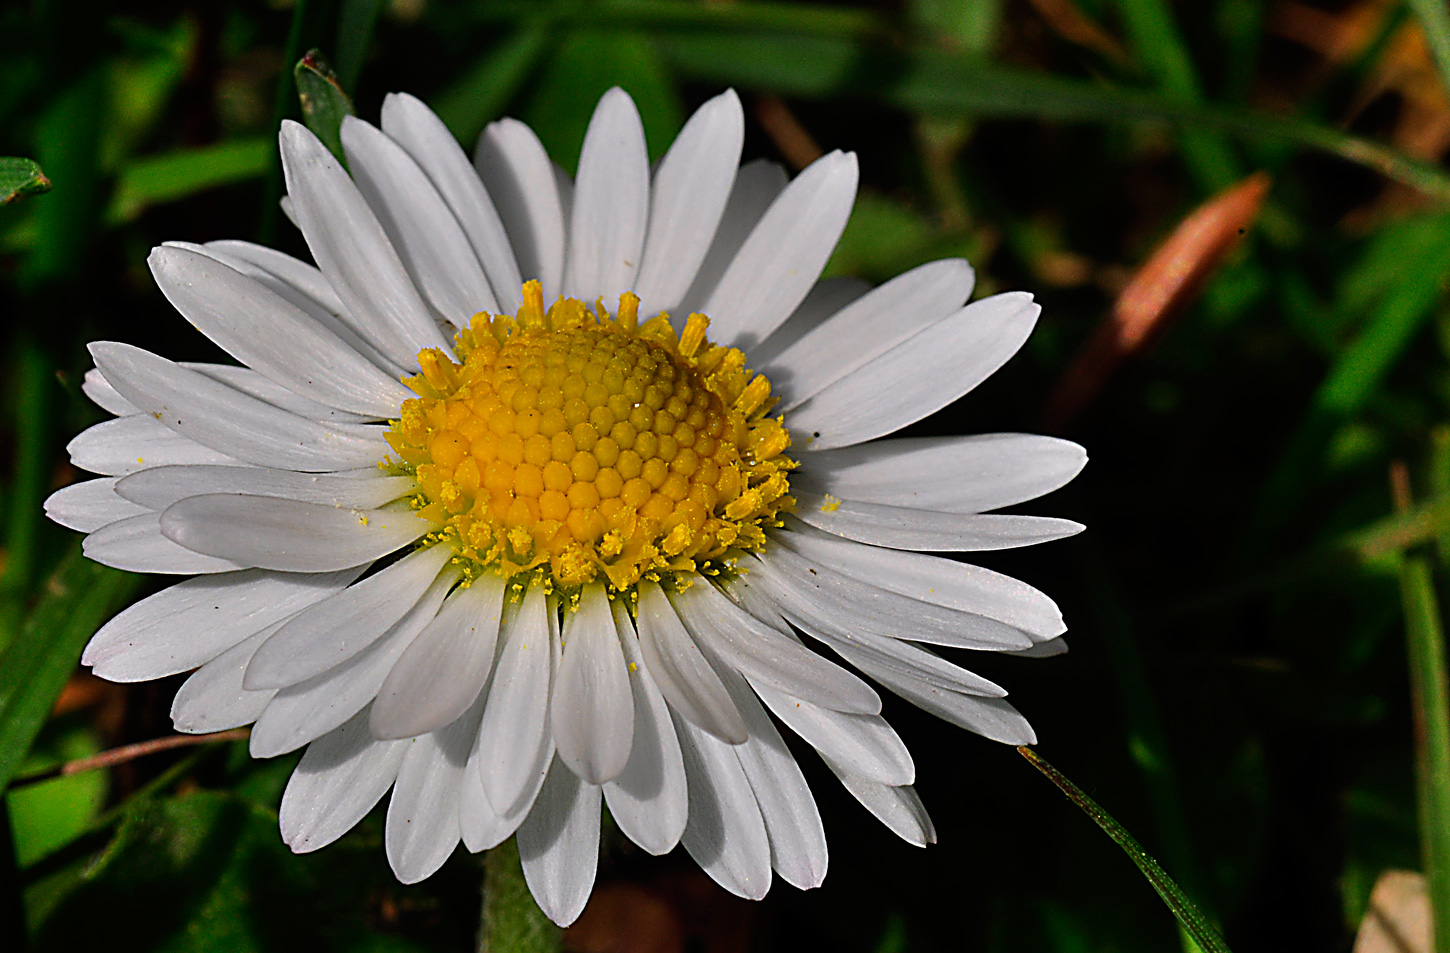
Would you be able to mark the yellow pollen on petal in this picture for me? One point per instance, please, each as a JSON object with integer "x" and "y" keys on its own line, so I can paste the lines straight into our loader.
{"x": 581, "y": 444}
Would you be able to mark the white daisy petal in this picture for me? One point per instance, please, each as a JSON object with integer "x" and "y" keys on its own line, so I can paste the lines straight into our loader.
{"x": 726, "y": 833}
{"x": 785, "y": 252}
{"x": 89, "y": 505}
{"x": 95, "y": 386}
{"x": 287, "y": 535}
{"x": 305, "y": 711}
{"x": 827, "y": 297}
{"x": 758, "y": 651}
{"x": 1048, "y": 649}
{"x": 213, "y": 698}
{"x": 514, "y": 738}
{"x": 423, "y": 826}
{"x": 592, "y": 709}
{"x": 992, "y": 718}
{"x": 868, "y": 328}
{"x": 950, "y": 474}
{"x": 684, "y": 677}
{"x": 194, "y": 621}
{"x": 421, "y": 227}
{"x": 157, "y": 488}
{"x": 920, "y": 375}
{"x": 943, "y": 582}
{"x": 339, "y": 779}
{"x": 136, "y": 544}
{"x": 866, "y": 744}
{"x": 250, "y": 382}
{"x": 272, "y": 336}
{"x": 559, "y": 845}
{"x": 301, "y": 284}
{"x": 756, "y": 186}
{"x": 792, "y": 820}
{"x": 354, "y": 252}
{"x": 898, "y": 807}
{"x": 901, "y": 527}
{"x": 520, "y": 179}
{"x": 843, "y": 606}
{"x": 128, "y": 444}
{"x": 231, "y": 422}
{"x": 611, "y": 203}
{"x": 444, "y": 670}
{"x": 687, "y": 198}
{"x": 342, "y": 625}
{"x": 648, "y": 800}
{"x": 417, "y": 129}
{"x": 908, "y": 659}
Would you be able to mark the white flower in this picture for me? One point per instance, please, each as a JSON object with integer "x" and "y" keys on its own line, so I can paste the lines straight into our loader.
{"x": 572, "y": 559}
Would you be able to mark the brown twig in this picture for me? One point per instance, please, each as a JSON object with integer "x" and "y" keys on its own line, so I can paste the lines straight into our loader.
{"x": 795, "y": 143}
{"x": 125, "y": 753}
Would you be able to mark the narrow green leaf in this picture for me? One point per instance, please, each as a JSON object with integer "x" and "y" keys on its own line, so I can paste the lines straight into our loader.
{"x": 20, "y": 178}
{"x": 34, "y": 379}
{"x": 1435, "y": 21}
{"x": 487, "y": 87}
{"x": 922, "y": 79}
{"x": 512, "y": 921}
{"x": 156, "y": 180}
{"x": 324, "y": 103}
{"x": 355, "y": 23}
{"x": 34, "y": 668}
{"x": 656, "y": 14}
{"x": 1189, "y": 917}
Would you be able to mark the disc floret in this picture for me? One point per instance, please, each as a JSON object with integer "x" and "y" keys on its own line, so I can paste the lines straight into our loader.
{"x": 581, "y": 443}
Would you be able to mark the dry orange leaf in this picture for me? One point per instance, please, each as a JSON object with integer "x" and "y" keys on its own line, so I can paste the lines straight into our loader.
{"x": 1167, "y": 283}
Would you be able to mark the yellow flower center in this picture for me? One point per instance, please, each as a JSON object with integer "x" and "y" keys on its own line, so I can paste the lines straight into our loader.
{"x": 585, "y": 443}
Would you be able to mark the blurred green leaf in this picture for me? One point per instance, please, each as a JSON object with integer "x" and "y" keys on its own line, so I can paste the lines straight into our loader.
{"x": 481, "y": 93}
{"x": 1435, "y": 21}
{"x": 324, "y": 102}
{"x": 582, "y": 66}
{"x": 155, "y": 180}
{"x": 801, "y": 18}
{"x": 20, "y": 178}
{"x": 211, "y": 873}
{"x": 1189, "y": 917}
{"x": 355, "y": 23}
{"x": 34, "y": 668}
{"x": 928, "y": 80}
{"x": 512, "y": 921}
{"x": 50, "y": 814}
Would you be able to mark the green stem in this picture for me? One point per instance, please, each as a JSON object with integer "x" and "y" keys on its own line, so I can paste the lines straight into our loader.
{"x": 511, "y": 921}
{"x": 281, "y": 103}
{"x": 1430, "y": 702}
{"x": 1190, "y": 919}
{"x": 32, "y": 463}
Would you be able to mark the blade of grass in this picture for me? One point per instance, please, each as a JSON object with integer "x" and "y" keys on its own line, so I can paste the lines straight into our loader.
{"x": 33, "y": 380}
{"x": 926, "y": 80}
{"x": 485, "y": 88}
{"x": 659, "y": 14}
{"x": 355, "y": 23}
{"x": 172, "y": 176}
{"x": 297, "y": 34}
{"x": 1430, "y": 703}
{"x": 20, "y": 178}
{"x": 34, "y": 668}
{"x": 511, "y": 922}
{"x": 1435, "y": 21}
{"x": 1190, "y": 918}
{"x": 1158, "y": 45}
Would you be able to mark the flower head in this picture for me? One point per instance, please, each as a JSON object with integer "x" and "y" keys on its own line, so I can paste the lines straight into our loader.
{"x": 524, "y": 496}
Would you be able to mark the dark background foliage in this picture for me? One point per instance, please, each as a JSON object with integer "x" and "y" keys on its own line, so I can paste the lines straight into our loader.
{"x": 1236, "y": 692}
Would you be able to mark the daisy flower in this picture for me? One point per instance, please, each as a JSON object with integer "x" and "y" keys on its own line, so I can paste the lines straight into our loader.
{"x": 536, "y": 495}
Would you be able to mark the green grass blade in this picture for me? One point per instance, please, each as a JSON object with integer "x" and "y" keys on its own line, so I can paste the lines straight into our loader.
{"x": 1435, "y": 21}
{"x": 666, "y": 14}
{"x": 355, "y": 23}
{"x": 20, "y": 178}
{"x": 34, "y": 668}
{"x": 929, "y": 80}
{"x": 485, "y": 88}
{"x": 511, "y": 921}
{"x": 34, "y": 380}
{"x": 1189, "y": 917}
{"x": 325, "y": 104}
{"x": 172, "y": 176}
{"x": 1430, "y": 704}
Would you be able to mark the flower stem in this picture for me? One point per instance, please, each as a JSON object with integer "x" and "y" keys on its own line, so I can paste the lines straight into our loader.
{"x": 1190, "y": 918}
{"x": 511, "y": 921}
